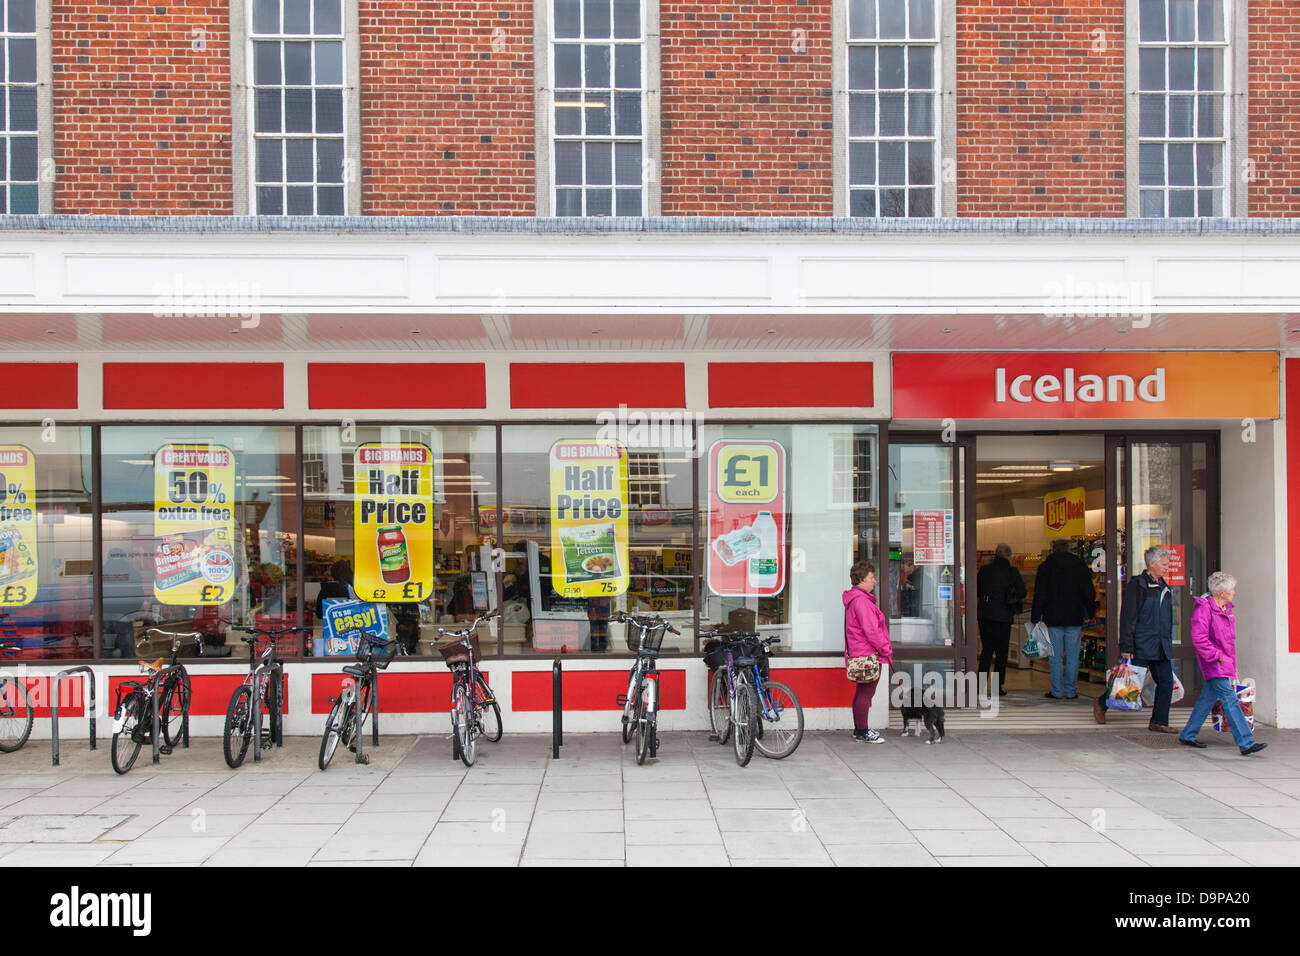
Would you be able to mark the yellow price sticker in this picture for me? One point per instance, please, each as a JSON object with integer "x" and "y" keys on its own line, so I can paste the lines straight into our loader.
{"x": 748, "y": 473}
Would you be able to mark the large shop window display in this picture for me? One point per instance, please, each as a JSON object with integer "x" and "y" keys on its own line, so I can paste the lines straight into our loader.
{"x": 199, "y": 533}
{"x": 46, "y": 550}
{"x": 785, "y": 510}
{"x": 595, "y": 522}
{"x": 399, "y": 533}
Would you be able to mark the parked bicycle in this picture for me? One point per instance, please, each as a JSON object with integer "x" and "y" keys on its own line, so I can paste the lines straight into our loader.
{"x": 779, "y": 728}
{"x": 474, "y": 709}
{"x": 16, "y": 710}
{"x": 645, "y": 636}
{"x": 350, "y": 710}
{"x": 263, "y": 685}
{"x": 167, "y": 689}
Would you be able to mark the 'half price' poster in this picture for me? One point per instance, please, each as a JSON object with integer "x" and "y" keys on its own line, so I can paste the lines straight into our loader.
{"x": 194, "y": 524}
{"x": 589, "y": 518}
{"x": 18, "y": 561}
{"x": 392, "y": 521}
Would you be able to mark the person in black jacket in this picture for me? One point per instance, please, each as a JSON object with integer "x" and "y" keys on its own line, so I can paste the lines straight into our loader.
{"x": 1064, "y": 597}
{"x": 1001, "y": 592}
{"x": 1146, "y": 635}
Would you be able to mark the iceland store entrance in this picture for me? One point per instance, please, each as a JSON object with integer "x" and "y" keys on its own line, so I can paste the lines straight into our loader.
{"x": 1008, "y": 523}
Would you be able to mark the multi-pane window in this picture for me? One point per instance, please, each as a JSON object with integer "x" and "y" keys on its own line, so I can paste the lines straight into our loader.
{"x": 893, "y": 100}
{"x": 18, "y": 165}
{"x": 1182, "y": 133}
{"x": 298, "y": 107}
{"x": 598, "y": 71}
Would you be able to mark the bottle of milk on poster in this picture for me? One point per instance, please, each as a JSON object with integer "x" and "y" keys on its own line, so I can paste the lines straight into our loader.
{"x": 763, "y": 564}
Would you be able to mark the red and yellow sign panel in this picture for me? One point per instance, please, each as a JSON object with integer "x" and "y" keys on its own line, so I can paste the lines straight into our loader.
{"x": 1064, "y": 513}
{"x": 589, "y": 518}
{"x": 393, "y": 521}
{"x": 18, "y": 561}
{"x": 194, "y": 524}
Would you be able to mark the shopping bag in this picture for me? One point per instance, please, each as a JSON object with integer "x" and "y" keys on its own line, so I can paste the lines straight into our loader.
{"x": 1149, "y": 690}
{"x": 1125, "y": 681}
{"x": 1037, "y": 644}
{"x": 1245, "y": 688}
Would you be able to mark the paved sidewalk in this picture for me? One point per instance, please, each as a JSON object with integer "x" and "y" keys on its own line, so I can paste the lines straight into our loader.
{"x": 978, "y": 799}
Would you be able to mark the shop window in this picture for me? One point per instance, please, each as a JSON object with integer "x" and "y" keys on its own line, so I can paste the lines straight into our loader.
{"x": 199, "y": 533}
{"x": 893, "y": 67}
{"x": 570, "y": 564}
{"x": 46, "y": 534}
{"x": 1183, "y": 56}
{"x": 342, "y": 541}
{"x": 18, "y": 94}
{"x": 778, "y": 538}
{"x": 299, "y": 105}
{"x": 597, "y": 71}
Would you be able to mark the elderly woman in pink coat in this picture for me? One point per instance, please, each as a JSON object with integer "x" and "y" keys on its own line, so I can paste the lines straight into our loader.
{"x": 1214, "y": 634}
{"x": 866, "y": 632}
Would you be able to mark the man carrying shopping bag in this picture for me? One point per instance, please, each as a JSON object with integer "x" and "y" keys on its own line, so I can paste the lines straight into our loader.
{"x": 1214, "y": 634}
{"x": 1146, "y": 635}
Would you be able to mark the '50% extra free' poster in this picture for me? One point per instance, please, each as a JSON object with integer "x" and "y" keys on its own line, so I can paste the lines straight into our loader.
{"x": 194, "y": 524}
{"x": 18, "y": 562}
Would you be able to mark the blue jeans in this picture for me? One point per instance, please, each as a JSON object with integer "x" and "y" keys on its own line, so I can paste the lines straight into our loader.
{"x": 1065, "y": 651}
{"x": 1162, "y": 672}
{"x": 1220, "y": 689}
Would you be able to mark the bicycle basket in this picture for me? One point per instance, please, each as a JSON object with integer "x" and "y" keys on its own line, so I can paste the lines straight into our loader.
{"x": 453, "y": 651}
{"x": 374, "y": 651}
{"x": 654, "y": 638}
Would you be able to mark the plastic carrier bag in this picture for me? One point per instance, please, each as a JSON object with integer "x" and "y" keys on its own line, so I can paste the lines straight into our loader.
{"x": 1037, "y": 644}
{"x": 1245, "y": 688}
{"x": 1124, "y": 687}
{"x": 1149, "y": 690}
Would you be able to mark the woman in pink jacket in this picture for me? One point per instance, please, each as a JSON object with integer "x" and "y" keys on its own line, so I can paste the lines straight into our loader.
{"x": 1214, "y": 633}
{"x": 866, "y": 632}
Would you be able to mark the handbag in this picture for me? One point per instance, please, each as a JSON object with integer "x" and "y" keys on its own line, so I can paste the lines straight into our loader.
{"x": 864, "y": 670}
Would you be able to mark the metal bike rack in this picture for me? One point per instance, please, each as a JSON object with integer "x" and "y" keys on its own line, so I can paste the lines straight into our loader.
{"x": 54, "y": 710}
{"x": 374, "y": 720}
{"x": 255, "y": 711}
{"x": 557, "y": 709}
{"x": 185, "y": 714}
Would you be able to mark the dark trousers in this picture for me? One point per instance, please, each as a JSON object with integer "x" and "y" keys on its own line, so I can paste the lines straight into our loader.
{"x": 995, "y": 640}
{"x": 1162, "y": 672}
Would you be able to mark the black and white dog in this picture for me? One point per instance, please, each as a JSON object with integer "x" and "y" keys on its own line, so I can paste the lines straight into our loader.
{"x": 932, "y": 717}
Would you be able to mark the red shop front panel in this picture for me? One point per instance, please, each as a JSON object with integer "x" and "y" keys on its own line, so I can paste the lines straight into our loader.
{"x": 591, "y": 690}
{"x": 211, "y": 692}
{"x": 198, "y": 385}
{"x": 418, "y": 693}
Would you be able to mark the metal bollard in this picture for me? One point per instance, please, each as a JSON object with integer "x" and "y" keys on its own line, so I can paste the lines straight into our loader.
{"x": 54, "y": 710}
{"x": 557, "y": 709}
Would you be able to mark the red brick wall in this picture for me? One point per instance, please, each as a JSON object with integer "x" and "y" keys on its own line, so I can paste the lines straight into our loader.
{"x": 1274, "y": 114}
{"x": 746, "y": 115}
{"x": 1040, "y": 108}
{"x": 141, "y": 118}
{"x": 447, "y": 108}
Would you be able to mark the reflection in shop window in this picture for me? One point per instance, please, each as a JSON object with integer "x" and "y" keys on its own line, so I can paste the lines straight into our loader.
{"x": 46, "y": 530}
{"x": 462, "y": 466}
{"x": 199, "y": 532}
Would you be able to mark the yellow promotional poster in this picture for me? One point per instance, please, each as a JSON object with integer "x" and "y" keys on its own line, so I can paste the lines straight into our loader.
{"x": 18, "y": 561}
{"x": 194, "y": 524}
{"x": 589, "y": 518}
{"x": 1063, "y": 513}
{"x": 392, "y": 521}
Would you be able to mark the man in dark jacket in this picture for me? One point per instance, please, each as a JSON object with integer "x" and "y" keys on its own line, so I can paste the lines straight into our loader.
{"x": 1064, "y": 597}
{"x": 1146, "y": 635}
{"x": 1001, "y": 591}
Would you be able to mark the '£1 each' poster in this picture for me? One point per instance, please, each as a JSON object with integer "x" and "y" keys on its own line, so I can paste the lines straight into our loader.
{"x": 589, "y": 518}
{"x": 392, "y": 521}
{"x": 747, "y": 533}
{"x": 18, "y": 562}
{"x": 194, "y": 524}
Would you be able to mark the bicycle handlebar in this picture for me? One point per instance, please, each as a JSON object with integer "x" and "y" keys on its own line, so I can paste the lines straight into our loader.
{"x": 645, "y": 623}
{"x": 177, "y": 637}
{"x": 266, "y": 631}
{"x": 464, "y": 632}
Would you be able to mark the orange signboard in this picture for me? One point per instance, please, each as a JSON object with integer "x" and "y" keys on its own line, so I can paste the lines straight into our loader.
{"x": 1149, "y": 385}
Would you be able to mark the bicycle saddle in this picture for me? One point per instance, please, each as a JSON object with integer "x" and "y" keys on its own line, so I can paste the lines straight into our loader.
{"x": 153, "y": 665}
{"x": 356, "y": 672}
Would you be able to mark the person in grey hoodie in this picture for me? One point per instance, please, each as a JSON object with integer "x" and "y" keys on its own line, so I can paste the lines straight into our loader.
{"x": 1214, "y": 634}
{"x": 866, "y": 632}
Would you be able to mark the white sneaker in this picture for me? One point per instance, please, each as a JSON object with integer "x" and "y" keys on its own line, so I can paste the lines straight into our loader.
{"x": 871, "y": 737}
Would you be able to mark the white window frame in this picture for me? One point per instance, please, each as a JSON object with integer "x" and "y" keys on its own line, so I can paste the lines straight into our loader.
{"x": 41, "y": 87}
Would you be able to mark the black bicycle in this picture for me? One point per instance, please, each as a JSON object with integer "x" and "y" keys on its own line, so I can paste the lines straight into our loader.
{"x": 474, "y": 709}
{"x": 264, "y": 685}
{"x": 350, "y": 710}
{"x": 733, "y": 701}
{"x": 645, "y": 637}
{"x": 16, "y": 710}
{"x": 779, "y": 727}
{"x": 163, "y": 698}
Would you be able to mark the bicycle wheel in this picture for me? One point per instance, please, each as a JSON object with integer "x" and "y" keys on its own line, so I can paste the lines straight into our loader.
{"x": 719, "y": 704}
{"x": 334, "y": 725}
{"x": 15, "y": 714}
{"x": 643, "y": 732}
{"x": 629, "y": 708}
{"x": 128, "y": 735}
{"x": 780, "y": 737}
{"x": 273, "y": 704}
{"x": 239, "y": 726}
{"x": 745, "y": 715}
{"x": 464, "y": 725}
{"x": 174, "y": 709}
{"x": 489, "y": 711}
